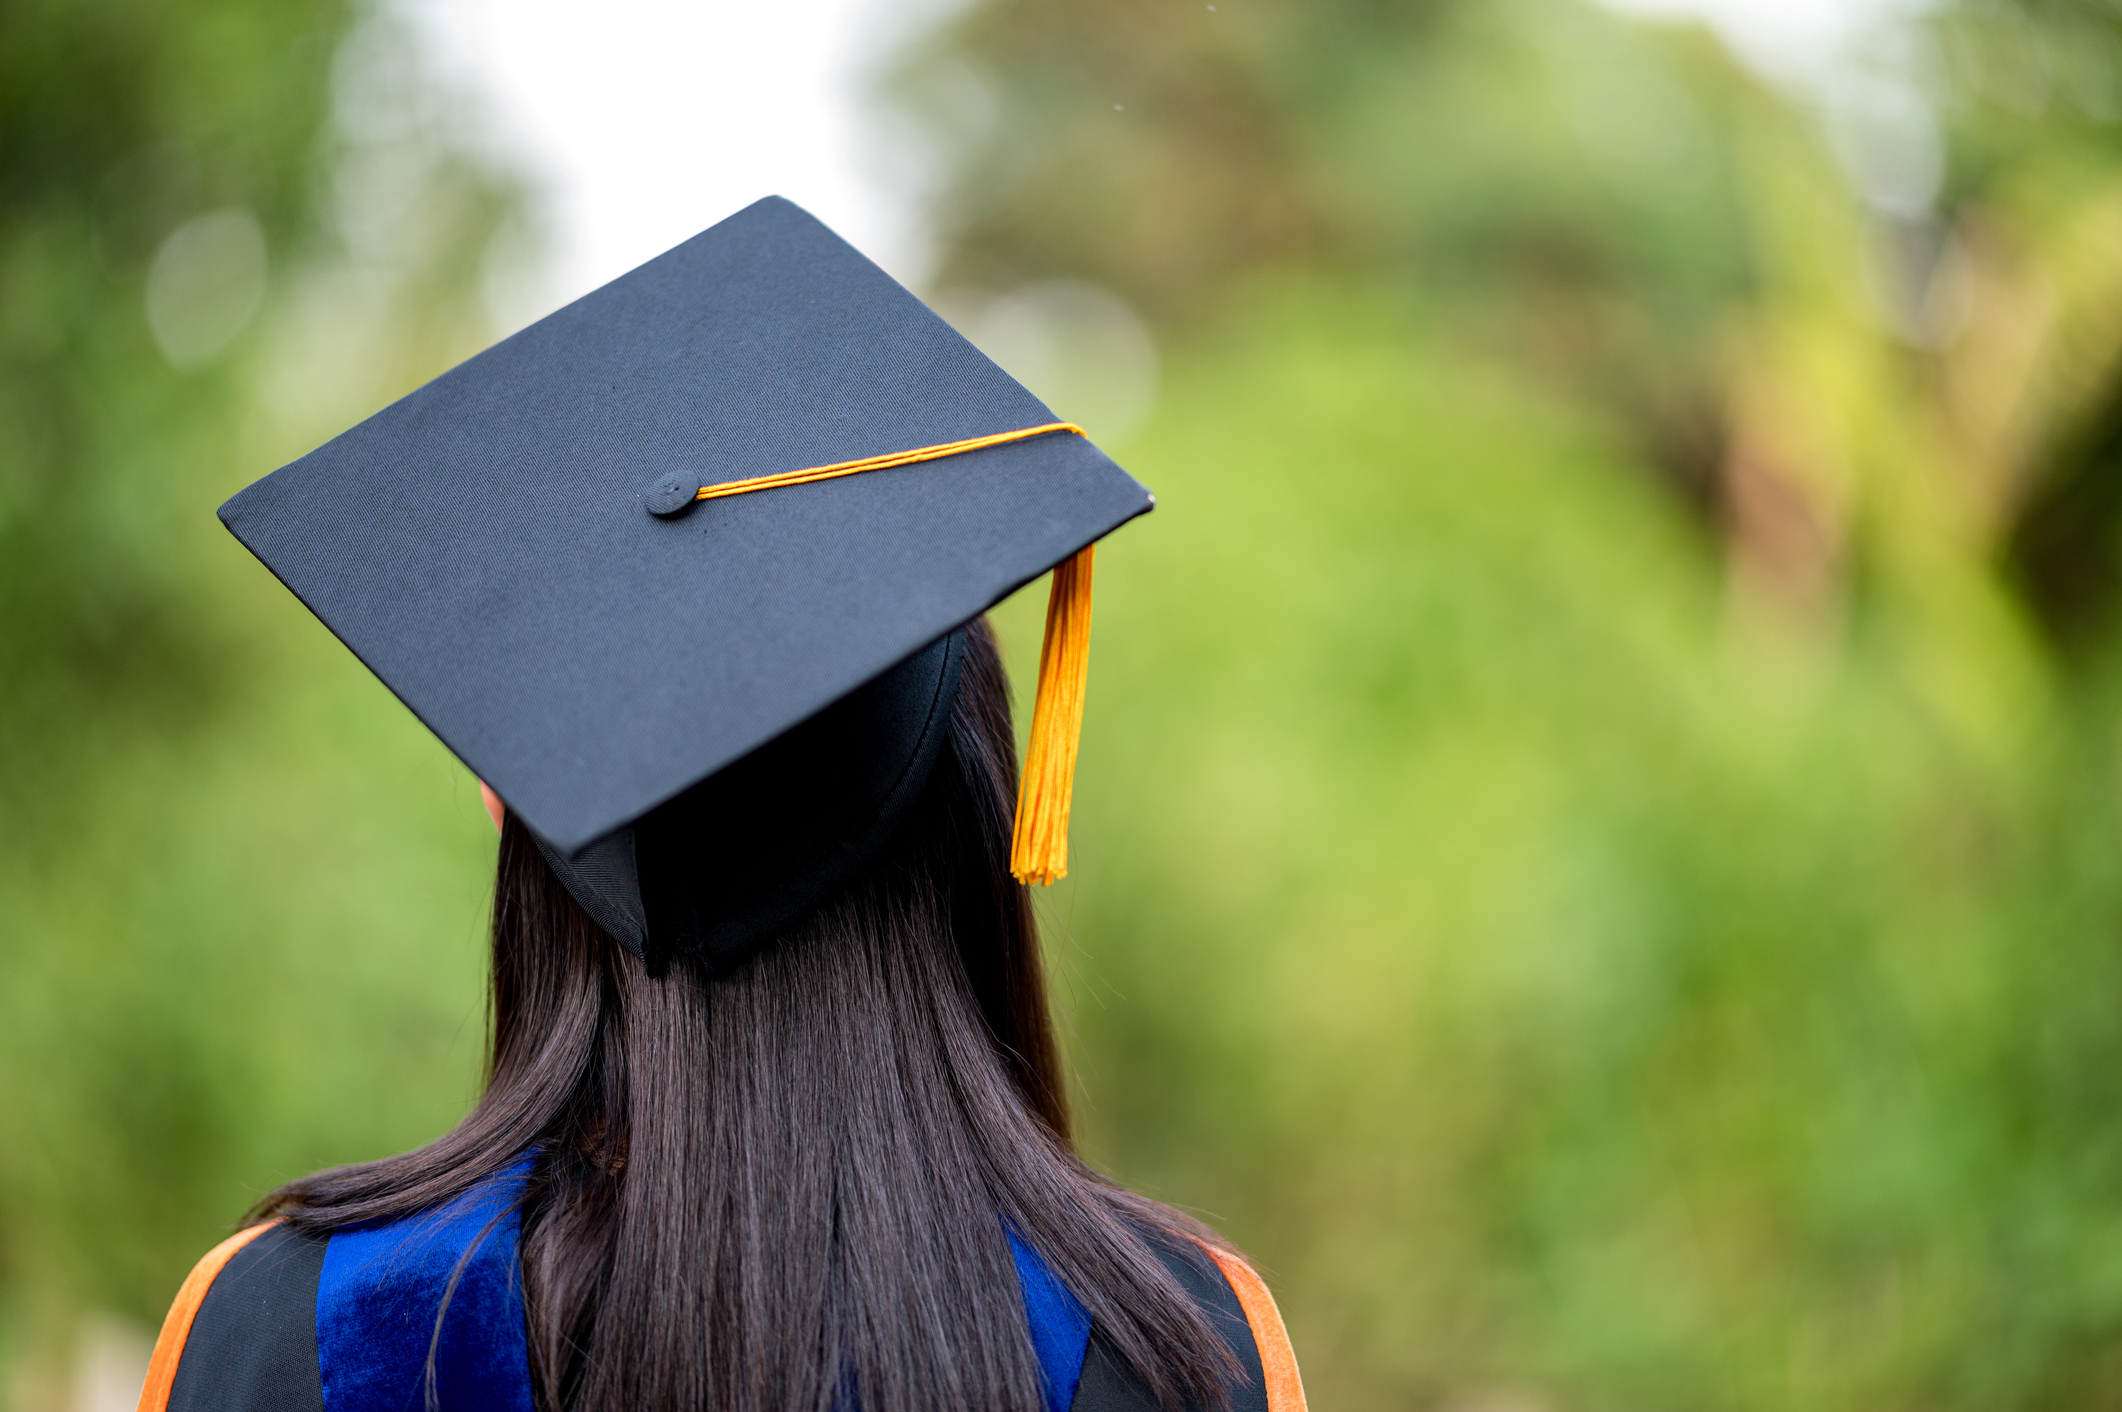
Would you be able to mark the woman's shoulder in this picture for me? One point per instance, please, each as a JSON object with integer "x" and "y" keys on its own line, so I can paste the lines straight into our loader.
{"x": 1245, "y": 1312}
{"x": 1239, "y": 1307}
{"x": 276, "y": 1319}
{"x": 242, "y": 1333}
{"x": 279, "y": 1320}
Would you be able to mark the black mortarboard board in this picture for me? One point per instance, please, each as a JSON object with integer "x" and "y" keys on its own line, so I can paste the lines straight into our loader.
{"x": 516, "y": 551}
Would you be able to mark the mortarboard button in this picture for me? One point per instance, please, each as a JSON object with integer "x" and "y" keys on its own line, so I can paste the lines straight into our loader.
{"x": 670, "y": 494}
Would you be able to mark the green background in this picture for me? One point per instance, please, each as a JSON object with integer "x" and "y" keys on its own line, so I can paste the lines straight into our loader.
{"x": 1598, "y": 851}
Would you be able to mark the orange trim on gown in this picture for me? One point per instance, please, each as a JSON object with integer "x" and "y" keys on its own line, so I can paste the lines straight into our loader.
{"x": 177, "y": 1327}
{"x": 1278, "y": 1361}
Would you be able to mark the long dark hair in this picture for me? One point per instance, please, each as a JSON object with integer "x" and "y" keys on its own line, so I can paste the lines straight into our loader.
{"x": 786, "y": 1188}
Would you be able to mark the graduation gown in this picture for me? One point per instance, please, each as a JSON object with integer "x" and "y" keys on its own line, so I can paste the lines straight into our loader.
{"x": 275, "y": 1320}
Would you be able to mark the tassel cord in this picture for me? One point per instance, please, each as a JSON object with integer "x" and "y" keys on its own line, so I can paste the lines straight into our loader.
{"x": 1039, "y": 842}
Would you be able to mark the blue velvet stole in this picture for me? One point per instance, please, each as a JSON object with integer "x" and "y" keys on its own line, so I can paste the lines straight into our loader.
{"x": 382, "y": 1285}
{"x": 1060, "y": 1326}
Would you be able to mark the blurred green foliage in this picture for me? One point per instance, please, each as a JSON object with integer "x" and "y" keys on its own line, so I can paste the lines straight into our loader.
{"x": 1595, "y": 856}
{"x": 1596, "y": 850}
{"x": 1567, "y": 1002}
{"x": 239, "y": 900}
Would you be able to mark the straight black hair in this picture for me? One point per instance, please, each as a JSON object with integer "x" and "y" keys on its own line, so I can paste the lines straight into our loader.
{"x": 786, "y": 1189}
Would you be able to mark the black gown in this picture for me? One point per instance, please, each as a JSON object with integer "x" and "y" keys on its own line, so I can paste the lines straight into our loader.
{"x": 275, "y": 1320}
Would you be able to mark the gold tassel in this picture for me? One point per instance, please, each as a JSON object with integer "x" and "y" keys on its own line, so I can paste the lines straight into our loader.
{"x": 1039, "y": 851}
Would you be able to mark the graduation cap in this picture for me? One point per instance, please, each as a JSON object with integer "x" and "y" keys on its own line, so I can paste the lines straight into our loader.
{"x": 681, "y": 572}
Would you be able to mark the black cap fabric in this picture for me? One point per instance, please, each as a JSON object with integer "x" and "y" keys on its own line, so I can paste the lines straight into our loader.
{"x": 726, "y": 865}
{"x": 512, "y": 551}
